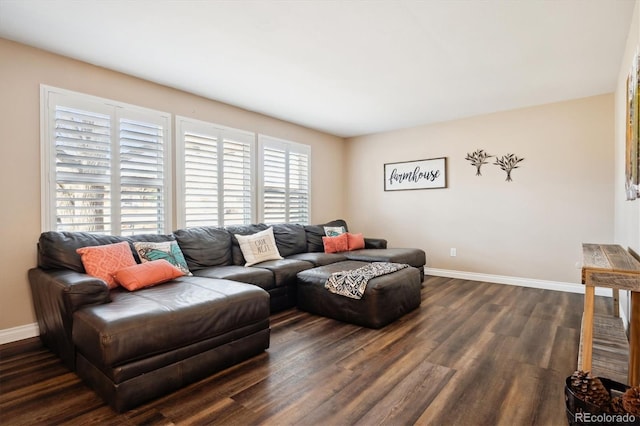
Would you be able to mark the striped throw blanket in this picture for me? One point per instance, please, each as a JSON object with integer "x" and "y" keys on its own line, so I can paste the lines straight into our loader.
{"x": 353, "y": 283}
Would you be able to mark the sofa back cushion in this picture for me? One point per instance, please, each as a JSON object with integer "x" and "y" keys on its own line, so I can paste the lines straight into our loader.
{"x": 57, "y": 250}
{"x": 315, "y": 233}
{"x": 236, "y": 254}
{"x": 204, "y": 246}
{"x": 290, "y": 238}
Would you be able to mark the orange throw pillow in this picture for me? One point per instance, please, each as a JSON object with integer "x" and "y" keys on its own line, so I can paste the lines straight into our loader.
{"x": 103, "y": 261}
{"x": 336, "y": 244}
{"x": 147, "y": 274}
{"x": 355, "y": 241}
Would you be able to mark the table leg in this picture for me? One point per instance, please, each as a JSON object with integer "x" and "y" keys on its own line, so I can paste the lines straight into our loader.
{"x": 634, "y": 340}
{"x": 587, "y": 327}
{"x": 616, "y": 302}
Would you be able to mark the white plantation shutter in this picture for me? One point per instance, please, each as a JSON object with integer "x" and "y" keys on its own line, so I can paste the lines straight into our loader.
{"x": 215, "y": 174}
{"x": 237, "y": 167}
{"x": 142, "y": 178}
{"x": 298, "y": 187}
{"x": 274, "y": 180}
{"x": 105, "y": 165}
{"x": 200, "y": 180}
{"x": 82, "y": 141}
{"x": 285, "y": 186}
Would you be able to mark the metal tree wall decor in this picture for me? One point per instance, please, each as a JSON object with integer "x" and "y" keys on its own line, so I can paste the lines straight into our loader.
{"x": 477, "y": 159}
{"x": 507, "y": 163}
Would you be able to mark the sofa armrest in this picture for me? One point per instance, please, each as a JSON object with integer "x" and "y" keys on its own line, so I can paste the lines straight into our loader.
{"x": 375, "y": 243}
{"x": 56, "y": 295}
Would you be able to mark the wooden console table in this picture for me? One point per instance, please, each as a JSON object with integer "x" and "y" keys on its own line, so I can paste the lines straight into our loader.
{"x": 607, "y": 265}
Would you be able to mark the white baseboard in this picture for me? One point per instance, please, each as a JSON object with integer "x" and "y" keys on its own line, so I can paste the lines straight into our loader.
{"x": 522, "y": 282}
{"x": 21, "y": 332}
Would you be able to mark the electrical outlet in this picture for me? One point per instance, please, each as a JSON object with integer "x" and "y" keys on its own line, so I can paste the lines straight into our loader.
{"x": 453, "y": 252}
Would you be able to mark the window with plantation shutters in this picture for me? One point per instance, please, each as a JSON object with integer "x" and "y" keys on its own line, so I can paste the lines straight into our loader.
{"x": 237, "y": 196}
{"x": 82, "y": 174}
{"x": 142, "y": 177}
{"x": 105, "y": 165}
{"x": 284, "y": 183}
{"x": 298, "y": 206}
{"x": 215, "y": 174}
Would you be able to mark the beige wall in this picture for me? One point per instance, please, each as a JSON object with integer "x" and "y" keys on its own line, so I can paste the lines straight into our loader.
{"x": 533, "y": 227}
{"x": 23, "y": 69}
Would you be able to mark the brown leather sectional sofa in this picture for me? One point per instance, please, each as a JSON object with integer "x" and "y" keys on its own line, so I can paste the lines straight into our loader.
{"x": 131, "y": 347}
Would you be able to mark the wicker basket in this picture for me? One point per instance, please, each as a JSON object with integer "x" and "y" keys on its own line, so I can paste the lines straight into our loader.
{"x": 575, "y": 405}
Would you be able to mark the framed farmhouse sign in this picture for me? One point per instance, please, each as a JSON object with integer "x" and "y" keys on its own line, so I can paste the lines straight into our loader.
{"x": 420, "y": 174}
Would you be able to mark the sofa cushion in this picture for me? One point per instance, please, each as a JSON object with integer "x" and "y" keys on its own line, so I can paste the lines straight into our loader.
{"x": 314, "y": 238}
{"x": 285, "y": 270}
{"x": 165, "y": 317}
{"x": 104, "y": 261}
{"x": 375, "y": 243}
{"x": 236, "y": 254}
{"x": 148, "y": 274}
{"x": 319, "y": 259}
{"x": 412, "y": 256}
{"x": 263, "y": 278}
{"x": 57, "y": 250}
{"x": 290, "y": 238}
{"x": 204, "y": 246}
{"x": 258, "y": 247}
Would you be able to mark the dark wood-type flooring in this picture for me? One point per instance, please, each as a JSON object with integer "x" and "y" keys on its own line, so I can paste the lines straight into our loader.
{"x": 473, "y": 354}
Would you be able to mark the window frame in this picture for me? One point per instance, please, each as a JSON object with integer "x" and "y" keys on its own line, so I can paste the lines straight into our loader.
{"x": 219, "y": 131}
{"x": 50, "y": 97}
{"x": 265, "y": 141}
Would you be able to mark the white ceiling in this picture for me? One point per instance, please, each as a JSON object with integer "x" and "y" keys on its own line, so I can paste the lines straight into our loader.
{"x": 344, "y": 67}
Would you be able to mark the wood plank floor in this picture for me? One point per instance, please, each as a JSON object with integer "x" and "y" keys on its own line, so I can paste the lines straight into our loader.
{"x": 473, "y": 354}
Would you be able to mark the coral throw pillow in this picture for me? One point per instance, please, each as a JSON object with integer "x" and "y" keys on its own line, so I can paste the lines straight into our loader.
{"x": 355, "y": 241}
{"x": 104, "y": 261}
{"x": 147, "y": 274}
{"x": 258, "y": 247}
{"x": 336, "y": 244}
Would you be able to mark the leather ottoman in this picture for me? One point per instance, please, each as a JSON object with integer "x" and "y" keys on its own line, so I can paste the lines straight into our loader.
{"x": 386, "y": 298}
